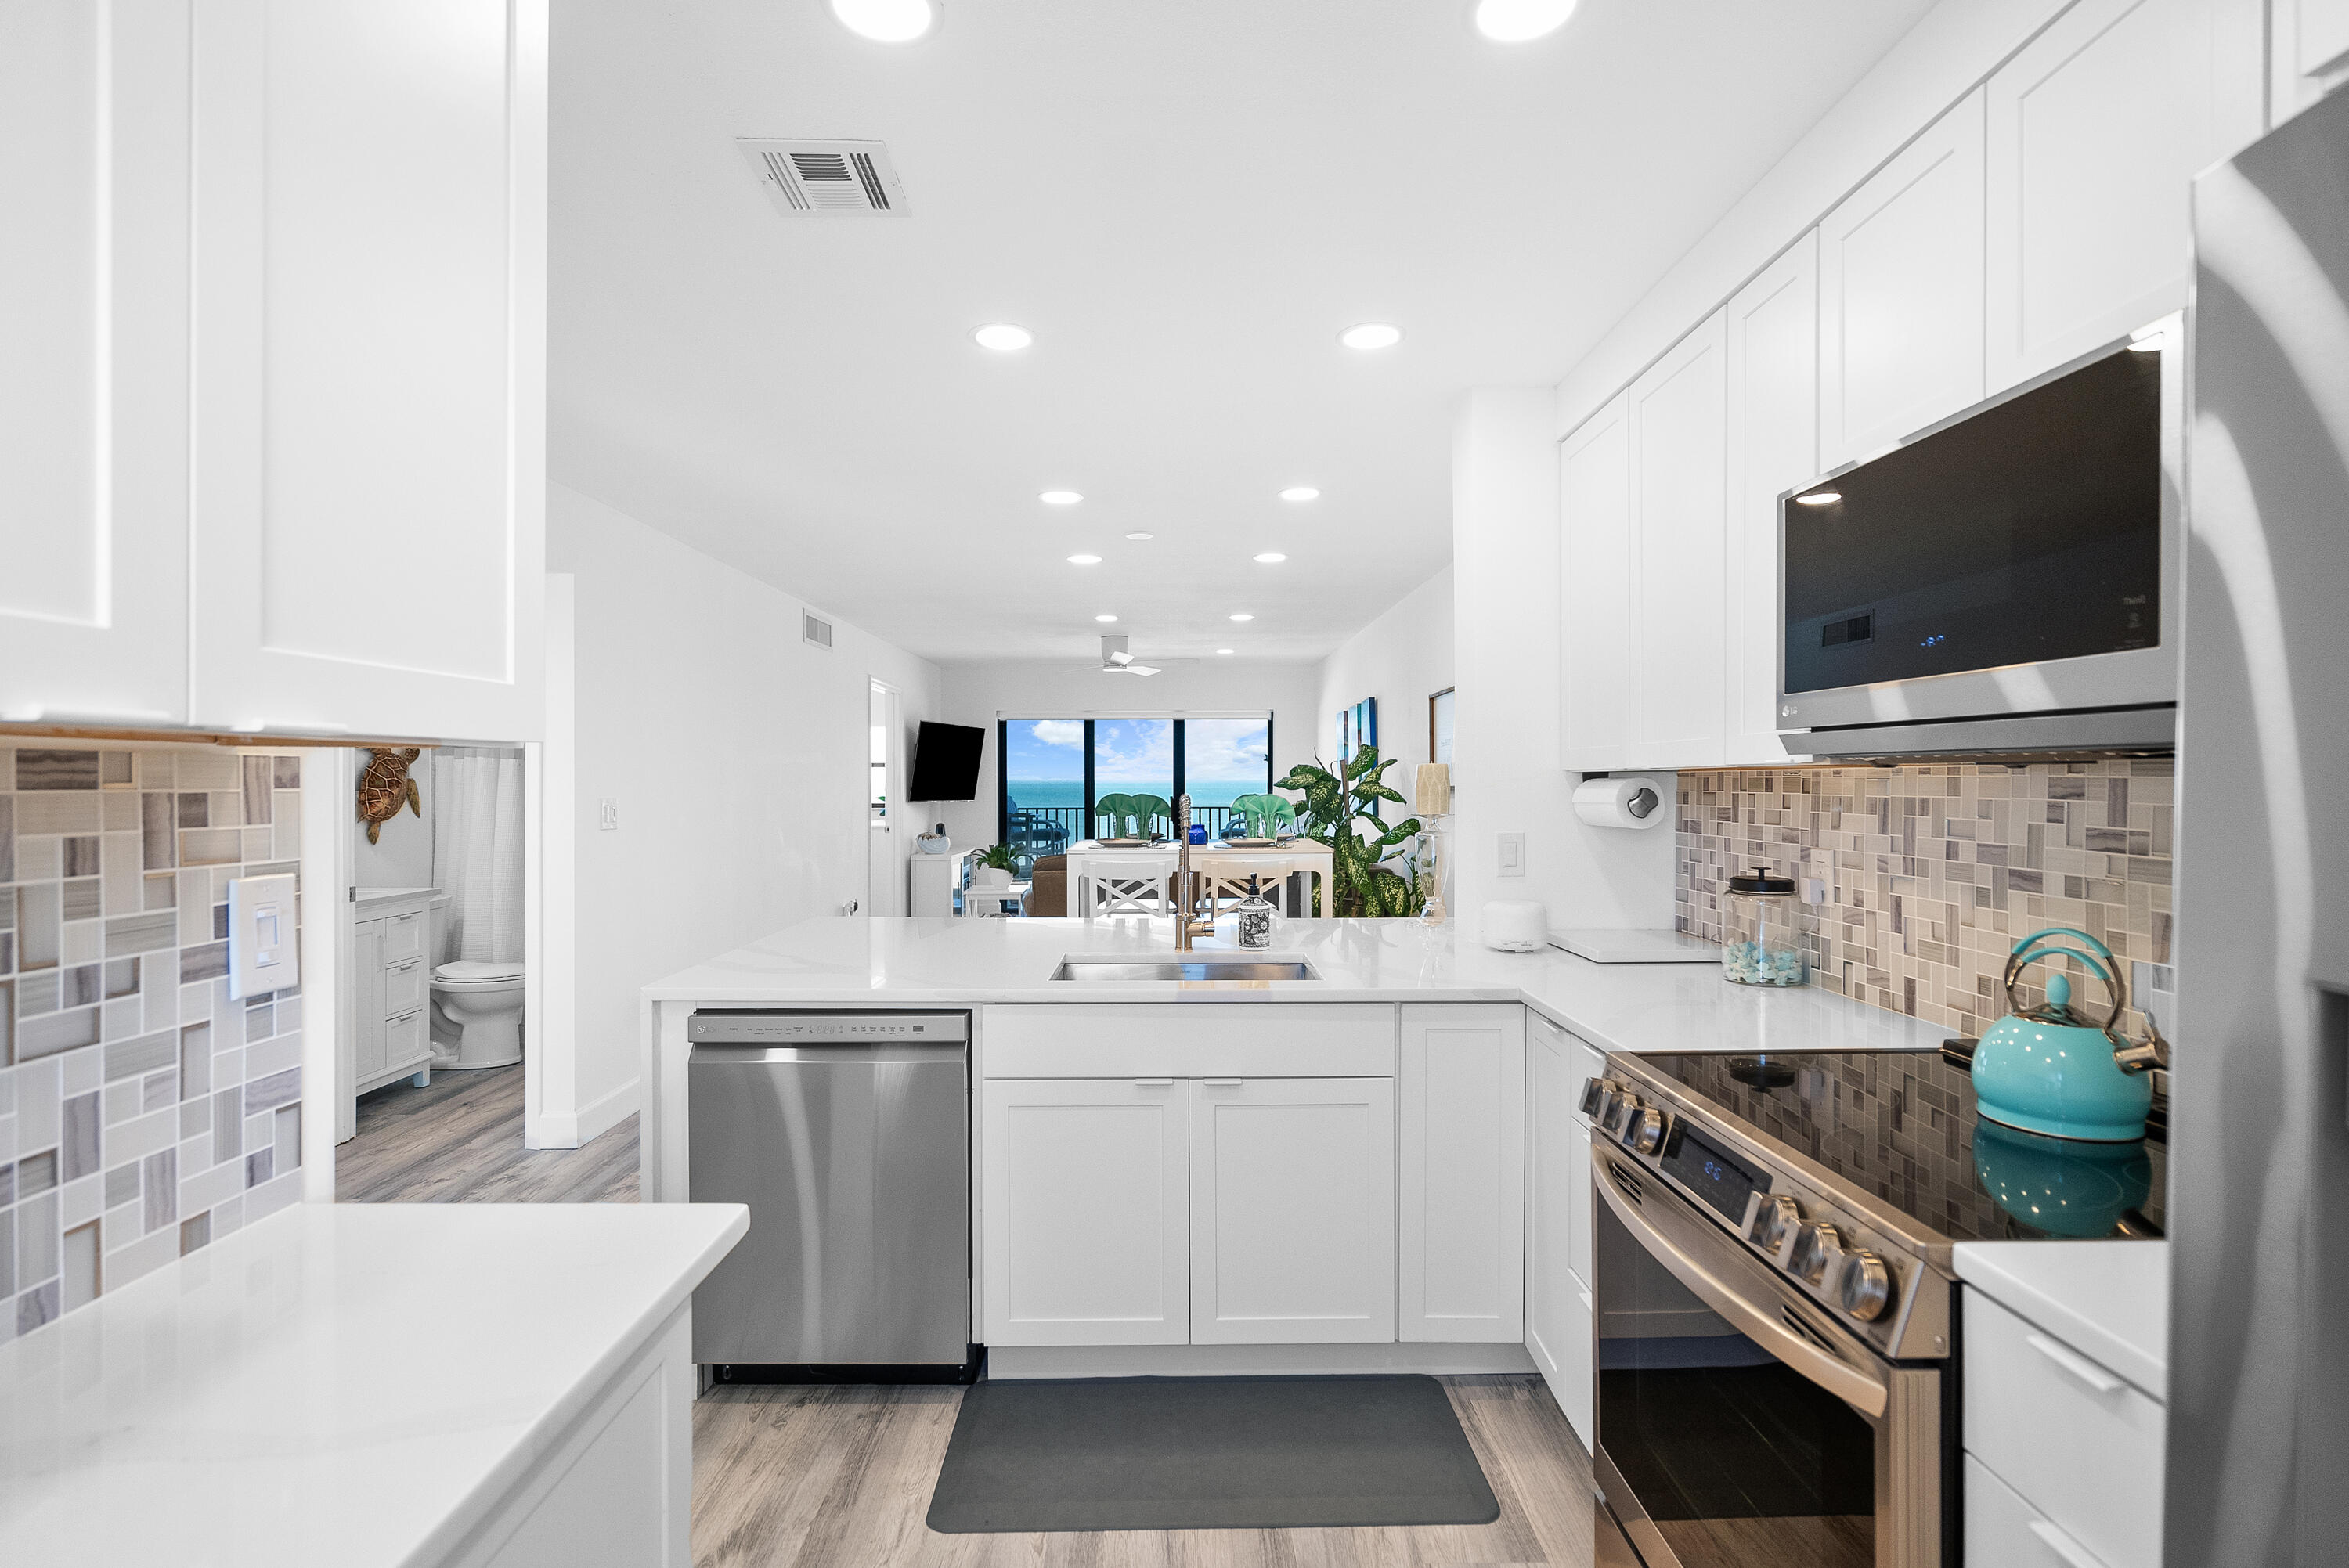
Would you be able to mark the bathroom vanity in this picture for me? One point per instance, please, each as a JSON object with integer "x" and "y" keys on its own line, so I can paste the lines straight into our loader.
{"x": 391, "y": 1037}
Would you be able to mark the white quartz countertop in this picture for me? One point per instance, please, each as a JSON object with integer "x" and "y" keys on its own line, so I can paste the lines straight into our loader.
{"x": 869, "y": 963}
{"x": 2108, "y": 1300}
{"x": 367, "y": 895}
{"x": 268, "y": 1400}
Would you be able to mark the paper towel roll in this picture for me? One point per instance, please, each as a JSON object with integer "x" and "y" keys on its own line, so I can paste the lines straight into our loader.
{"x": 1620, "y": 803}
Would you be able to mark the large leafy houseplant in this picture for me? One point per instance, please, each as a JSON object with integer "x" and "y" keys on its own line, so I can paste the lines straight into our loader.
{"x": 1362, "y": 879}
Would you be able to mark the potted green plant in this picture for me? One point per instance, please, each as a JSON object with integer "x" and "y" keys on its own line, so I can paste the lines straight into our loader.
{"x": 1364, "y": 880}
{"x": 993, "y": 868}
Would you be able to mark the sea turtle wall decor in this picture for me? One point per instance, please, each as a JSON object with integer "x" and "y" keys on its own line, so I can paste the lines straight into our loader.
{"x": 385, "y": 787}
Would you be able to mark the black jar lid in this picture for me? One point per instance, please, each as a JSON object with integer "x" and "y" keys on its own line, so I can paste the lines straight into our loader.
{"x": 1760, "y": 883}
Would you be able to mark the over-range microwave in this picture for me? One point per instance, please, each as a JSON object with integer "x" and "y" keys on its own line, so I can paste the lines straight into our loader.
{"x": 2003, "y": 584}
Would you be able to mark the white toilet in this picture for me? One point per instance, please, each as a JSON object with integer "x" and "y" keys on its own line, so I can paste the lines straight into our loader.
{"x": 485, "y": 1001}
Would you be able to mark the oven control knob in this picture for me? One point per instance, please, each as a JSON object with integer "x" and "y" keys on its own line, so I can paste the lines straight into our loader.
{"x": 1645, "y": 1131}
{"x": 1774, "y": 1222}
{"x": 1867, "y": 1286}
{"x": 1621, "y": 1114}
{"x": 1814, "y": 1245}
{"x": 1595, "y": 1092}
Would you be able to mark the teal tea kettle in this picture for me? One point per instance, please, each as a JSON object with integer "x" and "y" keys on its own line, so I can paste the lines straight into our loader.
{"x": 2050, "y": 1070}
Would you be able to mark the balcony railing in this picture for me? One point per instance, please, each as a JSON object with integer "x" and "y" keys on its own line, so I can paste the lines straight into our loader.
{"x": 1036, "y": 831}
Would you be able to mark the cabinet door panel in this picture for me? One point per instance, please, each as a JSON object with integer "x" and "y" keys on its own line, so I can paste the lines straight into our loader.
{"x": 1772, "y": 358}
{"x": 1589, "y": 1063}
{"x": 1595, "y": 589}
{"x": 1086, "y": 1221}
{"x": 1292, "y": 1210}
{"x": 1548, "y": 1152}
{"x": 94, "y": 360}
{"x": 1678, "y": 437}
{"x": 368, "y": 974}
{"x": 2095, "y": 129}
{"x": 369, "y": 371}
{"x": 1900, "y": 293}
{"x": 1461, "y": 1152}
{"x": 2309, "y": 51}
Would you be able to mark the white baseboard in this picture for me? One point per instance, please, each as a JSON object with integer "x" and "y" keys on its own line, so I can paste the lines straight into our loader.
{"x": 575, "y": 1130}
{"x": 1019, "y": 1361}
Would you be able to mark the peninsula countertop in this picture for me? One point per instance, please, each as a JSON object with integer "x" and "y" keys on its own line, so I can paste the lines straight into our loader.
{"x": 858, "y": 961}
{"x": 264, "y": 1401}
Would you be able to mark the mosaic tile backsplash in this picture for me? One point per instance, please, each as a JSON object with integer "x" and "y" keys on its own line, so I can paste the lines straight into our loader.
{"x": 1930, "y": 874}
{"x": 143, "y": 1111}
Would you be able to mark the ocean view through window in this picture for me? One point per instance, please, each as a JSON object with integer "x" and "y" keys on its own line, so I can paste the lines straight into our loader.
{"x": 1051, "y": 771}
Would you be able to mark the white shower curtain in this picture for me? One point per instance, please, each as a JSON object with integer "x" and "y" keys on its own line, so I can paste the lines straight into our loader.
{"x": 477, "y": 850}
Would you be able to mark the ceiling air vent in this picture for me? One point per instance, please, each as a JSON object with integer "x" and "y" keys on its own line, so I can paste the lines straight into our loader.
{"x": 825, "y": 176}
{"x": 814, "y": 632}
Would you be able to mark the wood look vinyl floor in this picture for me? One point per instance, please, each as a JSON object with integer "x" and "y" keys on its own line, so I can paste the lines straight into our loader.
{"x": 460, "y": 1141}
{"x": 840, "y": 1477}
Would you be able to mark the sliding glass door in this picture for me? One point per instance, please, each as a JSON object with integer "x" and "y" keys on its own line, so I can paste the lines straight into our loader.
{"x": 1050, "y": 772}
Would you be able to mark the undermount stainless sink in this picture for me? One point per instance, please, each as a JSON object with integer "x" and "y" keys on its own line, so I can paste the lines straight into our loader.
{"x": 1197, "y": 966}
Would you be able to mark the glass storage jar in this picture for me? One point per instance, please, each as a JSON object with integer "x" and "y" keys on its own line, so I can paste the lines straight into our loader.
{"x": 1763, "y": 931}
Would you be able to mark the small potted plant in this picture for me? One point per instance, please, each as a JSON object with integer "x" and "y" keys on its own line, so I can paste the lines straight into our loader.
{"x": 993, "y": 868}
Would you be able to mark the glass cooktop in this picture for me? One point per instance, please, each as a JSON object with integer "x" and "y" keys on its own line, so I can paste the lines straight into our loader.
{"x": 1901, "y": 1125}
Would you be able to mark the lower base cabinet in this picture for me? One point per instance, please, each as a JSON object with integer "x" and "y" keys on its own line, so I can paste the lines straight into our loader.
{"x": 1559, "y": 1218}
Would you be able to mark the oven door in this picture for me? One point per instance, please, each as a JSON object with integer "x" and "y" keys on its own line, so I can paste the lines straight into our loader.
{"x": 1738, "y": 1424}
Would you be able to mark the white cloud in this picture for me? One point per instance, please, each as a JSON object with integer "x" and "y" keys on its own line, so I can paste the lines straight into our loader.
{"x": 1067, "y": 732}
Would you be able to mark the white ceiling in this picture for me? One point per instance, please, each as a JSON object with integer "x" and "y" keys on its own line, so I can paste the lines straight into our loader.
{"x": 1186, "y": 200}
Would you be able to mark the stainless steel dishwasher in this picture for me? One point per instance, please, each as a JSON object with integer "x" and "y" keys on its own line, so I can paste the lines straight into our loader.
{"x": 848, "y": 1134}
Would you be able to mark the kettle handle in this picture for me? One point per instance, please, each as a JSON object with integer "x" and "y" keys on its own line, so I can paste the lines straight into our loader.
{"x": 2036, "y": 946}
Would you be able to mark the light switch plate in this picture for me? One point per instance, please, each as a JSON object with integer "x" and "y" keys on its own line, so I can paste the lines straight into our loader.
{"x": 264, "y": 936}
{"x": 1513, "y": 854}
{"x": 607, "y": 815}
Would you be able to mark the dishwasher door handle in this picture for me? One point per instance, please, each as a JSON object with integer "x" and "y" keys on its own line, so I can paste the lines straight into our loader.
{"x": 827, "y": 1055}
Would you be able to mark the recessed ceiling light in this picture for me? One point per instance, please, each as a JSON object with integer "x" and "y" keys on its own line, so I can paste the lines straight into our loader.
{"x": 1104, "y": 619}
{"x": 1084, "y": 560}
{"x": 1300, "y": 492}
{"x": 1139, "y": 537}
{"x": 1521, "y": 21}
{"x": 1223, "y": 650}
{"x": 1059, "y": 498}
{"x": 1271, "y": 558}
{"x": 887, "y": 21}
{"x": 1244, "y": 615}
{"x": 1371, "y": 335}
{"x": 1003, "y": 337}
{"x": 1819, "y": 498}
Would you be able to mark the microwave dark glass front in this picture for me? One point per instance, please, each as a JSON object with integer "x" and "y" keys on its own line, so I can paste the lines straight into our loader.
{"x": 2019, "y": 559}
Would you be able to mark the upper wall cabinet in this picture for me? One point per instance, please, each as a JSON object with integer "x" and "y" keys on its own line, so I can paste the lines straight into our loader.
{"x": 1594, "y": 590}
{"x": 94, "y": 361}
{"x": 1678, "y": 498}
{"x": 2309, "y": 51}
{"x": 1900, "y": 293}
{"x": 370, "y": 250}
{"x": 2095, "y": 129}
{"x": 1773, "y": 355}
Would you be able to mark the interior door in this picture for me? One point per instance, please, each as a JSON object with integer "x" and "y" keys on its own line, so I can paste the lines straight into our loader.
{"x": 1086, "y": 1221}
{"x": 1292, "y": 1210}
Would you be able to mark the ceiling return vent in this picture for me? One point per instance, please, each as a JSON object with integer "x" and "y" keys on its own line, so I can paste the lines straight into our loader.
{"x": 825, "y": 176}
{"x": 815, "y": 632}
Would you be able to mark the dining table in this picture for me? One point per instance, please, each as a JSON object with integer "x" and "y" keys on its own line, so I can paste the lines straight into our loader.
{"x": 1225, "y": 868}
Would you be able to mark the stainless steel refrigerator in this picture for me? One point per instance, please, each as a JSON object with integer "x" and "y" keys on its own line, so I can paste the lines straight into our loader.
{"x": 2259, "y": 1390}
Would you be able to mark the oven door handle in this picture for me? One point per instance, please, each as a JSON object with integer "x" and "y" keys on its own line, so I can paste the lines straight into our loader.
{"x": 1846, "y": 1382}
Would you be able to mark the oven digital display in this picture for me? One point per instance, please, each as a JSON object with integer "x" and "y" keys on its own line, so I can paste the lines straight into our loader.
{"x": 1698, "y": 1164}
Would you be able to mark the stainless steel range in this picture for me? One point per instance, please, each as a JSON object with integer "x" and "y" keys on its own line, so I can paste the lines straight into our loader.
{"x": 1777, "y": 1324}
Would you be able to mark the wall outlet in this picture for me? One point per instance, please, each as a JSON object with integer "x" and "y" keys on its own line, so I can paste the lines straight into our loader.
{"x": 607, "y": 815}
{"x": 1513, "y": 854}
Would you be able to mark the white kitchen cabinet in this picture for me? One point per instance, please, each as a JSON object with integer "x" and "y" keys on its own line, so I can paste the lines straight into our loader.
{"x": 369, "y": 377}
{"x": 2309, "y": 52}
{"x": 1554, "y": 1143}
{"x": 1292, "y": 1210}
{"x": 1773, "y": 360}
{"x": 1460, "y": 1148}
{"x": 1595, "y": 590}
{"x": 1678, "y": 427}
{"x": 94, "y": 105}
{"x": 1900, "y": 293}
{"x": 2095, "y": 129}
{"x": 1085, "y": 1225}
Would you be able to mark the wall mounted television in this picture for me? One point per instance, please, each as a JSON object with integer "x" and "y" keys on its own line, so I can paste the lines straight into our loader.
{"x": 945, "y": 762}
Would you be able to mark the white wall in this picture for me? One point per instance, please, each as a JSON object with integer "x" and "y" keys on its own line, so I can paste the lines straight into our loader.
{"x": 977, "y": 693}
{"x": 1505, "y": 562}
{"x": 1402, "y": 658}
{"x": 402, "y": 853}
{"x": 736, "y": 753}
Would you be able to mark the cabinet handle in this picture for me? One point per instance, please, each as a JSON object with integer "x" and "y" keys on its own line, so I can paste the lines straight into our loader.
{"x": 2072, "y": 1361}
{"x": 2063, "y": 1545}
{"x": 1154, "y": 1083}
{"x": 1224, "y": 1083}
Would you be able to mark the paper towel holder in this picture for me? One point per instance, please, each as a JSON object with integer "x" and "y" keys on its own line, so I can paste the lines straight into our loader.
{"x": 1605, "y": 802}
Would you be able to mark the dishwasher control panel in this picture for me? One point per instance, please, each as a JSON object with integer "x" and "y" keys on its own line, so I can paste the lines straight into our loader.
{"x": 768, "y": 1029}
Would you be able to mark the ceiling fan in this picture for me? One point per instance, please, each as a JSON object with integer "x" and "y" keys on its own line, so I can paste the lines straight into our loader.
{"x": 1116, "y": 661}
